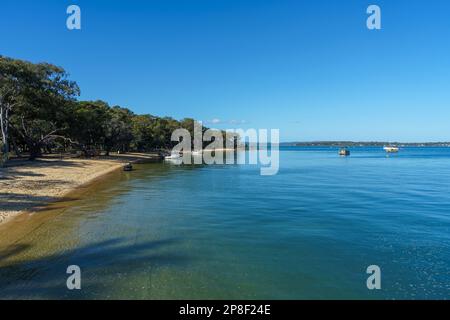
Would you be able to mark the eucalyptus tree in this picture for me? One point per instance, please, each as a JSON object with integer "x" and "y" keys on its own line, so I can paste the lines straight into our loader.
{"x": 34, "y": 101}
{"x": 88, "y": 127}
{"x": 118, "y": 130}
{"x": 13, "y": 78}
{"x": 39, "y": 109}
{"x": 43, "y": 114}
{"x": 142, "y": 130}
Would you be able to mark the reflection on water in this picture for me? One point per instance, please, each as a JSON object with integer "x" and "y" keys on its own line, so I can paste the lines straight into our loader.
{"x": 197, "y": 231}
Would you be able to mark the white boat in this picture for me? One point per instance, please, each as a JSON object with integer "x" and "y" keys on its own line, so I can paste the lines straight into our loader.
{"x": 391, "y": 149}
{"x": 172, "y": 156}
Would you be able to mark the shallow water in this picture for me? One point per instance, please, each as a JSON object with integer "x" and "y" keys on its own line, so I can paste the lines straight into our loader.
{"x": 166, "y": 231}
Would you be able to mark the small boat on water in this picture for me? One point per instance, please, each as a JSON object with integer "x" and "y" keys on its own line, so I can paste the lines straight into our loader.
{"x": 390, "y": 149}
{"x": 344, "y": 152}
{"x": 128, "y": 167}
{"x": 173, "y": 155}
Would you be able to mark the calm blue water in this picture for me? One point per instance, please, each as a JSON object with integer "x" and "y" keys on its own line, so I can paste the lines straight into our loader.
{"x": 166, "y": 231}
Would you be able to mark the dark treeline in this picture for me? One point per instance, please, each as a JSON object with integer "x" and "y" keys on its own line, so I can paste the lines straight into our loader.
{"x": 40, "y": 113}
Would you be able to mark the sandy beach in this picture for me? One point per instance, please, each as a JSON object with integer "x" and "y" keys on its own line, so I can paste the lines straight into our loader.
{"x": 30, "y": 185}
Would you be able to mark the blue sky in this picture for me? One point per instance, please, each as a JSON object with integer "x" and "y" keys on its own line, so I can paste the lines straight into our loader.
{"x": 310, "y": 68}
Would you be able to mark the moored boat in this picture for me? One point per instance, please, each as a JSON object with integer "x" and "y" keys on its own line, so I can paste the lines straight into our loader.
{"x": 128, "y": 167}
{"x": 344, "y": 152}
{"x": 173, "y": 155}
{"x": 390, "y": 149}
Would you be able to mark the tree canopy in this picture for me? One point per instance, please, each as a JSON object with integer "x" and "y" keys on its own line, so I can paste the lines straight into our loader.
{"x": 39, "y": 112}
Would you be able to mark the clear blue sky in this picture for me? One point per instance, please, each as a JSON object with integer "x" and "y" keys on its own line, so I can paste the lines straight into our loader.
{"x": 310, "y": 68}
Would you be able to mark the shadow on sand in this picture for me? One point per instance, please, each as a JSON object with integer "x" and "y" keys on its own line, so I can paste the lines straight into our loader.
{"x": 20, "y": 168}
{"x": 19, "y": 202}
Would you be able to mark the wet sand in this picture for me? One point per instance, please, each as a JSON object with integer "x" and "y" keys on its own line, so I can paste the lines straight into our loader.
{"x": 29, "y": 186}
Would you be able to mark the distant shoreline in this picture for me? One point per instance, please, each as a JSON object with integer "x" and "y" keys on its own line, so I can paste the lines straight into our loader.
{"x": 363, "y": 144}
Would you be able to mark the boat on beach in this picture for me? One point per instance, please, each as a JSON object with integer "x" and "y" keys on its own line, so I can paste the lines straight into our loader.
{"x": 128, "y": 167}
{"x": 172, "y": 156}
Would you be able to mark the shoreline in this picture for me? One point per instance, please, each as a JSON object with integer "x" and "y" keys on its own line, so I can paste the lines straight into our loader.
{"x": 30, "y": 186}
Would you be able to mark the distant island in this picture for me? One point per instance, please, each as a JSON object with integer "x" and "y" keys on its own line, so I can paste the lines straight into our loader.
{"x": 364, "y": 144}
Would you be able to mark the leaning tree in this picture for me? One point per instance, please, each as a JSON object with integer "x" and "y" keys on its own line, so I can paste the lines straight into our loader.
{"x": 34, "y": 103}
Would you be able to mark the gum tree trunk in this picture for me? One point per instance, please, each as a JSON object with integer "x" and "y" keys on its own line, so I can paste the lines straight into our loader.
{"x": 5, "y": 137}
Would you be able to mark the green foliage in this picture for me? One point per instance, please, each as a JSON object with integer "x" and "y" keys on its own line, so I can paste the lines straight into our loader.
{"x": 34, "y": 102}
{"x": 40, "y": 113}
